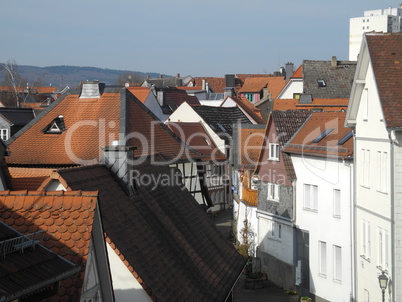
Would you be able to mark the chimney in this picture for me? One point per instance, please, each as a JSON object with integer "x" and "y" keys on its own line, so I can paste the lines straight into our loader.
{"x": 160, "y": 76}
{"x": 204, "y": 86}
{"x": 228, "y": 92}
{"x": 92, "y": 89}
{"x": 230, "y": 80}
{"x": 178, "y": 75}
{"x": 119, "y": 159}
{"x": 161, "y": 97}
{"x": 305, "y": 99}
{"x": 288, "y": 70}
{"x": 334, "y": 62}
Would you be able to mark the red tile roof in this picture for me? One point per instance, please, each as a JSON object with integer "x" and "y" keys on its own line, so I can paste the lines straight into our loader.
{"x": 298, "y": 74}
{"x": 254, "y": 84}
{"x": 303, "y": 141}
{"x": 66, "y": 217}
{"x": 324, "y": 104}
{"x": 250, "y": 141}
{"x": 46, "y": 89}
{"x": 90, "y": 123}
{"x": 28, "y": 178}
{"x": 141, "y": 93}
{"x": 386, "y": 58}
{"x": 216, "y": 84}
{"x": 195, "y": 136}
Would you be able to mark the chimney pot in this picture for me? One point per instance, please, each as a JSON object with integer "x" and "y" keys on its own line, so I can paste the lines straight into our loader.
{"x": 334, "y": 61}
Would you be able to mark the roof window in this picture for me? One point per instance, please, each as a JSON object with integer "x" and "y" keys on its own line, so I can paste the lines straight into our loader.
{"x": 322, "y": 135}
{"x": 345, "y": 138}
{"x": 222, "y": 128}
{"x": 56, "y": 126}
{"x": 321, "y": 83}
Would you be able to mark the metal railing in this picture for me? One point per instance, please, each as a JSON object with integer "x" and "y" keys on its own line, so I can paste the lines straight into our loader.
{"x": 18, "y": 244}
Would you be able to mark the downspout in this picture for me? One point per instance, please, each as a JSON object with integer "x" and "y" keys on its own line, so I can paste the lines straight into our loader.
{"x": 353, "y": 220}
{"x": 393, "y": 140}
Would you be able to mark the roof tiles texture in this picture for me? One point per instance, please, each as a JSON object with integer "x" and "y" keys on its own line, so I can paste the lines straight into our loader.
{"x": 66, "y": 217}
{"x": 174, "y": 250}
{"x": 90, "y": 124}
{"x": 303, "y": 141}
{"x": 317, "y": 103}
{"x": 386, "y": 57}
{"x": 28, "y": 178}
{"x": 338, "y": 80}
{"x": 250, "y": 141}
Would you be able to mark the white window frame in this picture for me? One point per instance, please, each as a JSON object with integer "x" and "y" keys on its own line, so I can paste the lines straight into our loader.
{"x": 365, "y": 168}
{"x": 322, "y": 258}
{"x": 382, "y": 248}
{"x": 382, "y": 172}
{"x": 337, "y": 207}
{"x": 310, "y": 193}
{"x": 337, "y": 251}
{"x": 273, "y": 192}
{"x": 4, "y": 133}
{"x": 273, "y": 151}
{"x": 366, "y": 239}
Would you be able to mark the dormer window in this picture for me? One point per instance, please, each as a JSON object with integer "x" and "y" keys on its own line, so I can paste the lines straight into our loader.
{"x": 57, "y": 126}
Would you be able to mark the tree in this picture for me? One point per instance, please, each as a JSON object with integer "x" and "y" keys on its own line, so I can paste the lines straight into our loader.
{"x": 13, "y": 80}
{"x": 130, "y": 78}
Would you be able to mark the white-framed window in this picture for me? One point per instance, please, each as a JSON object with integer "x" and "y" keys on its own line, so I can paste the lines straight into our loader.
{"x": 365, "y": 168}
{"x": 366, "y": 239}
{"x": 337, "y": 203}
{"x": 382, "y": 171}
{"x": 276, "y": 231}
{"x": 337, "y": 263}
{"x": 365, "y": 97}
{"x": 273, "y": 192}
{"x": 322, "y": 258}
{"x": 382, "y": 246}
{"x": 273, "y": 151}
{"x": 4, "y": 134}
{"x": 310, "y": 197}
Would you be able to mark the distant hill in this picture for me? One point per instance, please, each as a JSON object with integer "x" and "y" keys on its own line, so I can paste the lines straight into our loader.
{"x": 72, "y": 76}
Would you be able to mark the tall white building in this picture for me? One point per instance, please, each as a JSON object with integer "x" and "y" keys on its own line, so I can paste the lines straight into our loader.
{"x": 387, "y": 20}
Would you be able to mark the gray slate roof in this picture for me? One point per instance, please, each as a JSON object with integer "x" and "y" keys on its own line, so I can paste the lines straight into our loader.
{"x": 338, "y": 80}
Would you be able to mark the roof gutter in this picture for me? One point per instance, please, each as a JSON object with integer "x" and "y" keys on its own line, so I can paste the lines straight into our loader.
{"x": 234, "y": 284}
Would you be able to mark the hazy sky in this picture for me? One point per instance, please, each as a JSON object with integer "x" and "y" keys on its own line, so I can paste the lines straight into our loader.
{"x": 197, "y": 38}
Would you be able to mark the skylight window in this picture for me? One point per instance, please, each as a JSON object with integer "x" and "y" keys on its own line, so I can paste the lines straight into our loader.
{"x": 321, "y": 83}
{"x": 212, "y": 127}
{"x": 345, "y": 138}
{"x": 322, "y": 135}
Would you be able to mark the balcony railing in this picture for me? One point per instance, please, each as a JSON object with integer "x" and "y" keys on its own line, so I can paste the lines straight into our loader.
{"x": 250, "y": 196}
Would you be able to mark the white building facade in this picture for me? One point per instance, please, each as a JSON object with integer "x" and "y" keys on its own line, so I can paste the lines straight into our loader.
{"x": 381, "y": 20}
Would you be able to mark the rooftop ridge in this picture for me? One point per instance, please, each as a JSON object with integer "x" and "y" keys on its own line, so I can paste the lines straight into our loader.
{"x": 49, "y": 193}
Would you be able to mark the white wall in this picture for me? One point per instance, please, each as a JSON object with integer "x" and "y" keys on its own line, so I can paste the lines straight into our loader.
{"x": 293, "y": 86}
{"x": 125, "y": 286}
{"x": 323, "y": 225}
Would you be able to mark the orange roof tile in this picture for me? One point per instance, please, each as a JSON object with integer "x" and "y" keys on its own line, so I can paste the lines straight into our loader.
{"x": 304, "y": 143}
{"x": 28, "y": 178}
{"x": 324, "y": 104}
{"x": 31, "y": 211}
{"x": 254, "y": 84}
{"x": 250, "y": 142}
{"x": 216, "y": 84}
{"x": 46, "y": 89}
{"x": 298, "y": 74}
{"x": 90, "y": 123}
{"x": 141, "y": 93}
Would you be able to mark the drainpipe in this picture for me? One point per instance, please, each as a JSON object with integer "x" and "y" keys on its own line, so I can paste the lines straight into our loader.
{"x": 353, "y": 220}
{"x": 393, "y": 141}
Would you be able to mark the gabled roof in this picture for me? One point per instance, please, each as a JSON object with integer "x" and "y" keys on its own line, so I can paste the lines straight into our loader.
{"x": 66, "y": 217}
{"x": 91, "y": 123}
{"x": 195, "y": 136}
{"x": 173, "y": 249}
{"x": 323, "y": 135}
{"x": 216, "y": 84}
{"x": 385, "y": 51}
{"x": 221, "y": 119}
{"x": 248, "y": 107}
{"x": 18, "y": 116}
{"x": 175, "y": 97}
{"x": 254, "y": 84}
{"x": 141, "y": 93}
{"x": 316, "y": 104}
{"x": 286, "y": 124}
{"x": 152, "y": 137}
{"x": 27, "y": 178}
{"x": 30, "y": 269}
{"x": 298, "y": 74}
{"x": 337, "y": 79}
